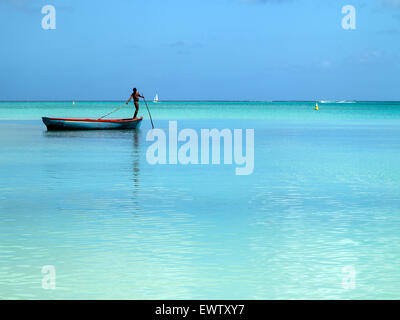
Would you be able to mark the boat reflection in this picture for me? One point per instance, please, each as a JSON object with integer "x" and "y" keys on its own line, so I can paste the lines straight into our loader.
{"x": 117, "y": 152}
{"x": 136, "y": 168}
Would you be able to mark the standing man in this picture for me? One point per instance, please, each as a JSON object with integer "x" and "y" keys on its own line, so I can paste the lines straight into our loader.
{"x": 135, "y": 95}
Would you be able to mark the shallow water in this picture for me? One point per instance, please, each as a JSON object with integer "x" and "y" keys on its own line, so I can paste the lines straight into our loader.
{"x": 324, "y": 195}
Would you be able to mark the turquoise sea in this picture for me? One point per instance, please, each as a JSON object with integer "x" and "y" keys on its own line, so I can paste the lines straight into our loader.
{"x": 324, "y": 198}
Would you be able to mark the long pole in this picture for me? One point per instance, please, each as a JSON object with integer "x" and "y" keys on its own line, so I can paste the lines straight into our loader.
{"x": 111, "y": 112}
{"x": 148, "y": 112}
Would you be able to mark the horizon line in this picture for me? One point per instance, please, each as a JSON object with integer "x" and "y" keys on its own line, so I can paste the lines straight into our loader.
{"x": 323, "y": 101}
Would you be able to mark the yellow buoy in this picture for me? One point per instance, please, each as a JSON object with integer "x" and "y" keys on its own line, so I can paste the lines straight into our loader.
{"x": 316, "y": 106}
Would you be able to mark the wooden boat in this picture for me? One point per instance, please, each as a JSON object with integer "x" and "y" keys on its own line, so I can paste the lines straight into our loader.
{"x": 91, "y": 124}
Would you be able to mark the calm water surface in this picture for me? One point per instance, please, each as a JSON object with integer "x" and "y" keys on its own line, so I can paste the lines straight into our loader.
{"x": 324, "y": 195}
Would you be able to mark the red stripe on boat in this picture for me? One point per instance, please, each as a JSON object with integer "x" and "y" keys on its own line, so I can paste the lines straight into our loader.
{"x": 97, "y": 120}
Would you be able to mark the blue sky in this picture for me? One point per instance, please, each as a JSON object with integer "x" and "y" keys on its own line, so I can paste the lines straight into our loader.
{"x": 200, "y": 50}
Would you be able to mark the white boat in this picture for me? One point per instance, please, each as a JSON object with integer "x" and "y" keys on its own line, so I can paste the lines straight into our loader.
{"x": 156, "y": 98}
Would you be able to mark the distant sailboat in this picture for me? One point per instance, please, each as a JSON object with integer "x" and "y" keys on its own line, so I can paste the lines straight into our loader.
{"x": 156, "y": 98}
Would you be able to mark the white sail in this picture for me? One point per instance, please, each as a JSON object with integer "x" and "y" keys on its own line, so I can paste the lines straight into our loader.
{"x": 156, "y": 98}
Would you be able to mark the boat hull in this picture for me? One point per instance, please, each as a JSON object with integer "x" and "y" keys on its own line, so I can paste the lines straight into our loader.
{"x": 53, "y": 124}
